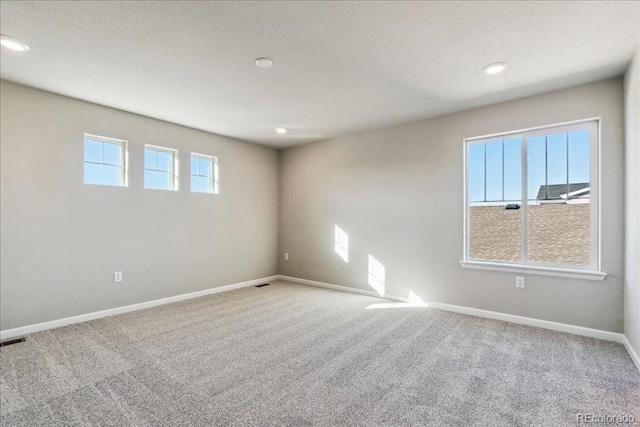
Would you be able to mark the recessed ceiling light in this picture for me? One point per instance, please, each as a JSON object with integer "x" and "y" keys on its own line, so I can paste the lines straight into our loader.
{"x": 264, "y": 62}
{"x": 281, "y": 130}
{"x": 495, "y": 68}
{"x": 13, "y": 44}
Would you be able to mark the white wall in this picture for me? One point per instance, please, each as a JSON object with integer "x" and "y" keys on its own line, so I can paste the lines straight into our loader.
{"x": 62, "y": 240}
{"x": 397, "y": 192}
{"x": 632, "y": 206}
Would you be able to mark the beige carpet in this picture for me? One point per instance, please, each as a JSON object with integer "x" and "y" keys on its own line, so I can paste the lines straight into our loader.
{"x": 293, "y": 355}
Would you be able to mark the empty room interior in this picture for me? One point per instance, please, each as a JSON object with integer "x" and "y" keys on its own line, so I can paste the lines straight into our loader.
{"x": 282, "y": 213}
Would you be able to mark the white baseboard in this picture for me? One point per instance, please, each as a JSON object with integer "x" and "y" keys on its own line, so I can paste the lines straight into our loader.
{"x": 23, "y": 330}
{"x": 529, "y": 321}
{"x": 631, "y": 351}
{"x": 545, "y": 324}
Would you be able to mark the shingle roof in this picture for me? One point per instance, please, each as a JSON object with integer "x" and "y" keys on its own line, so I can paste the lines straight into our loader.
{"x": 554, "y": 191}
{"x": 558, "y": 233}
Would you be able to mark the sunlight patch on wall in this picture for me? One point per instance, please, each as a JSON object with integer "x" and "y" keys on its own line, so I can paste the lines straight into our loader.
{"x": 376, "y": 275}
{"x": 342, "y": 244}
{"x": 413, "y": 301}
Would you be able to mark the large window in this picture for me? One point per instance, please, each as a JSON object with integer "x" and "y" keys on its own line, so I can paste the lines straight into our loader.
{"x": 204, "y": 173}
{"x": 160, "y": 168}
{"x": 105, "y": 161}
{"x": 532, "y": 197}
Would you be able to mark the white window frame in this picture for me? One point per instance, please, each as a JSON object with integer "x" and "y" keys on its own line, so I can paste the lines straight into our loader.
{"x": 124, "y": 157}
{"x": 593, "y": 270}
{"x": 175, "y": 166}
{"x": 215, "y": 177}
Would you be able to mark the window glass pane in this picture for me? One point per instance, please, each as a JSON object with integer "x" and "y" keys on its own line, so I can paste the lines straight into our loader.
{"x": 150, "y": 159}
{"x": 164, "y": 161}
{"x": 495, "y": 233}
{"x": 556, "y": 165}
{"x": 112, "y": 154}
{"x": 195, "y": 166}
{"x": 559, "y": 218}
{"x": 92, "y": 151}
{"x": 536, "y": 168}
{"x": 476, "y": 172}
{"x": 205, "y": 167}
{"x": 559, "y": 233}
{"x": 157, "y": 180}
{"x": 200, "y": 184}
{"x": 102, "y": 174}
{"x": 494, "y": 170}
{"x": 513, "y": 169}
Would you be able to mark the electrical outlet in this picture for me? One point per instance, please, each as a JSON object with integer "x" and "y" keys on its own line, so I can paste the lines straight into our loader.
{"x": 286, "y": 256}
{"x": 117, "y": 276}
{"x": 519, "y": 282}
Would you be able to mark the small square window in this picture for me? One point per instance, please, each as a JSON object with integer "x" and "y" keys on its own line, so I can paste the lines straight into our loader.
{"x": 160, "y": 168}
{"x": 204, "y": 174}
{"x": 105, "y": 161}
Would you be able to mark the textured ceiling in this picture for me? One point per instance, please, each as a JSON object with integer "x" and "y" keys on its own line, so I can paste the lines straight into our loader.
{"x": 338, "y": 67}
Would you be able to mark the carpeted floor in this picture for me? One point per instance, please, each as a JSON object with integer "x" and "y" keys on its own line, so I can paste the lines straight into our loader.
{"x": 294, "y": 355}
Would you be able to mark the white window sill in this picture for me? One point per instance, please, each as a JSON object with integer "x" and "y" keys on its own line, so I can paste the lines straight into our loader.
{"x": 530, "y": 269}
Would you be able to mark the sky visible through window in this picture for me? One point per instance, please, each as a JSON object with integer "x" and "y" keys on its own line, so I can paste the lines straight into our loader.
{"x": 495, "y": 167}
{"x": 103, "y": 162}
{"x": 158, "y": 169}
{"x": 201, "y": 175}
